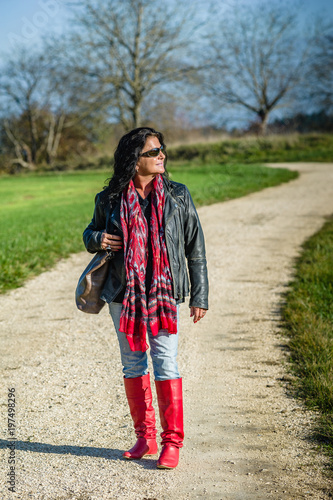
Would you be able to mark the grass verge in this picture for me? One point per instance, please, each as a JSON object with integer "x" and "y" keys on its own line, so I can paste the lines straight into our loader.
{"x": 43, "y": 216}
{"x": 278, "y": 148}
{"x": 308, "y": 314}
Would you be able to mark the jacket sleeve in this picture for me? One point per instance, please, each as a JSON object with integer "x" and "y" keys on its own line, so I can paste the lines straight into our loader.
{"x": 93, "y": 233}
{"x": 196, "y": 256}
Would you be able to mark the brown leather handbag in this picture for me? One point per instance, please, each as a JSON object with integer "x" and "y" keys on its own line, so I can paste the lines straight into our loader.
{"x": 91, "y": 282}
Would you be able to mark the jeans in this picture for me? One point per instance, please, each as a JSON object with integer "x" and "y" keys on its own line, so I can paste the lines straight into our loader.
{"x": 163, "y": 351}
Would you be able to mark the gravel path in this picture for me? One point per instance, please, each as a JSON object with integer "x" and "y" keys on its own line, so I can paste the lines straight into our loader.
{"x": 245, "y": 438}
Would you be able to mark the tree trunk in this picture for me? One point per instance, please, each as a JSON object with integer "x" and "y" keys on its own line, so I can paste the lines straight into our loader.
{"x": 137, "y": 97}
{"x": 137, "y": 115}
{"x": 21, "y": 150}
{"x": 263, "y": 116}
{"x": 33, "y": 136}
{"x": 54, "y": 136}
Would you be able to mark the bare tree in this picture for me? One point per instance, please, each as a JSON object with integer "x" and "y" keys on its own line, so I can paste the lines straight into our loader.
{"x": 320, "y": 77}
{"x": 26, "y": 91}
{"x": 21, "y": 91}
{"x": 40, "y": 98}
{"x": 71, "y": 106}
{"x": 129, "y": 48}
{"x": 256, "y": 57}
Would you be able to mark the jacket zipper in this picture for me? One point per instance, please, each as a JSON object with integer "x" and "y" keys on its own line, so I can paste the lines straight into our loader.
{"x": 166, "y": 240}
{"x": 180, "y": 248}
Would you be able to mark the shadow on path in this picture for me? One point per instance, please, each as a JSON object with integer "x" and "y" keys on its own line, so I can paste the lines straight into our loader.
{"x": 88, "y": 451}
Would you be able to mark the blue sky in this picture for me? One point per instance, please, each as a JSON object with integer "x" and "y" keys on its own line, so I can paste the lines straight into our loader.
{"x": 28, "y": 20}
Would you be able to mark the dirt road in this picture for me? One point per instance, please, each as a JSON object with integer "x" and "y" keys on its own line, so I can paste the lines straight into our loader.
{"x": 245, "y": 438}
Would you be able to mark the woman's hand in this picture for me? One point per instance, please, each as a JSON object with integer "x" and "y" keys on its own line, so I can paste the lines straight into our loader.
{"x": 111, "y": 242}
{"x": 197, "y": 313}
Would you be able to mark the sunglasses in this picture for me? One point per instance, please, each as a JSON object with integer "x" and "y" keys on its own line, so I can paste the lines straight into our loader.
{"x": 152, "y": 153}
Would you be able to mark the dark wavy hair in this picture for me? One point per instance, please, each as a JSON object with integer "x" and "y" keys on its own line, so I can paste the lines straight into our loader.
{"x": 125, "y": 159}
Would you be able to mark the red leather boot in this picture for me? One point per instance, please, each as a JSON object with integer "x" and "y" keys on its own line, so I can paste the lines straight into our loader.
{"x": 170, "y": 403}
{"x": 139, "y": 398}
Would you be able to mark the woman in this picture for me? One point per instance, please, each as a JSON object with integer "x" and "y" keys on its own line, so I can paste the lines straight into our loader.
{"x": 150, "y": 225}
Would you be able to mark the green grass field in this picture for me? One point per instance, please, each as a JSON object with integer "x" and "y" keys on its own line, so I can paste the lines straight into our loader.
{"x": 43, "y": 216}
{"x": 41, "y": 220}
{"x": 309, "y": 319}
{"x": 210, "y": 183}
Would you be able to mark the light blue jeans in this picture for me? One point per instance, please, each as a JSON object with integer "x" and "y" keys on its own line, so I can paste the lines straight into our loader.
{"x": 163, "y": 351}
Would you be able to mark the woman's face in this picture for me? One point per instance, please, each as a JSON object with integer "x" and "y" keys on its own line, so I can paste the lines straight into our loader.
{"x": 150, "y": 166}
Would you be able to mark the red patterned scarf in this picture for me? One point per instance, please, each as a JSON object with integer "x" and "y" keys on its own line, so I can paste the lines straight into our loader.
{"x": 159, "y": 308}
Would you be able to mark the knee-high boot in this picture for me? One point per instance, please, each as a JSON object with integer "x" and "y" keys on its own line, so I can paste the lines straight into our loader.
{"x": 170, "y": 402}
{"x": 139, "y": 396}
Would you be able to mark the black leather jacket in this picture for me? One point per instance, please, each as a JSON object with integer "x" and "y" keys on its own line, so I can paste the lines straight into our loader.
{"x": 184, "y": 240}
